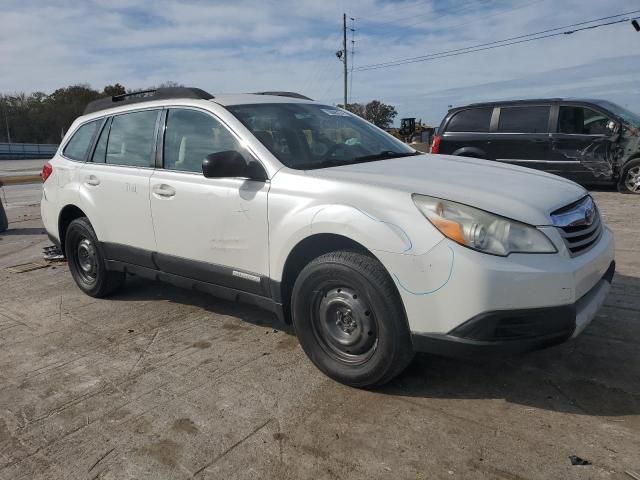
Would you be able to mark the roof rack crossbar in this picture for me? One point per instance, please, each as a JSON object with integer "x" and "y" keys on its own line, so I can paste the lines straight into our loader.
{"x": 285, "y": 94}
{"x": 146, "y": 96}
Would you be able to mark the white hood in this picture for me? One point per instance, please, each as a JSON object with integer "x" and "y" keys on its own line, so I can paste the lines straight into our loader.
{"x": 515, "y": 192}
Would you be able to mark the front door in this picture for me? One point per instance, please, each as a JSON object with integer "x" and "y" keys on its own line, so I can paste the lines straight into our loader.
{"x": 114, "y": 187}
{"x": 210, "y": 229}
{"x": 582, "y": 144}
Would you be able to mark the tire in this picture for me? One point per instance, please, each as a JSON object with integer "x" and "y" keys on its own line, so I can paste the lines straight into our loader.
{"x": 349, "y": 319}
{"x": 86, "y": 261}
{"x": 629, "y": 176}
{"x": 4, "y": 222}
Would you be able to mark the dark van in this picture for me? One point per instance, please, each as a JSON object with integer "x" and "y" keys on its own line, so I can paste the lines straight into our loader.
{"x": 588, "y": 141}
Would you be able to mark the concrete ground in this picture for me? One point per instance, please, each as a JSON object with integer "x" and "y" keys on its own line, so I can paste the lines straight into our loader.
{"x": 158, "y": 382}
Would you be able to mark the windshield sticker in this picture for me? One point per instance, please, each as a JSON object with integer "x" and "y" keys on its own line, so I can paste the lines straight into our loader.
{"x": 335, "y": 113}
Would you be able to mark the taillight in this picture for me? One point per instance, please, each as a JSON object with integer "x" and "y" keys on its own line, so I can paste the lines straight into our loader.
{"x": 47, "y": 170}
{"x": 435, "y": 145}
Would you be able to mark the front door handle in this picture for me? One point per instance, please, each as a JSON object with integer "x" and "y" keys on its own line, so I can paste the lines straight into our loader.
{"x": 164, "y": 190}
{"x": 92, "y": 180}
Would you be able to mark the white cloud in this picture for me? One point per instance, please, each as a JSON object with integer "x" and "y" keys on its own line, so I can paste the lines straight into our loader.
{"x": 290, "y": 45}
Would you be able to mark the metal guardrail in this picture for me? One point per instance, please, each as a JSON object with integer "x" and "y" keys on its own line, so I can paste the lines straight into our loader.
{"x": 18, "y": 151}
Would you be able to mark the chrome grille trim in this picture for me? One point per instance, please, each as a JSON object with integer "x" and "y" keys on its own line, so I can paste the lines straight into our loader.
{"x": 579, "y": 225}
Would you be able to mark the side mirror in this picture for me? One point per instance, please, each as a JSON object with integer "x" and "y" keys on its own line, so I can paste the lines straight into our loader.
{"x": 612, "y": 126}
{"x": 231, "y": 164}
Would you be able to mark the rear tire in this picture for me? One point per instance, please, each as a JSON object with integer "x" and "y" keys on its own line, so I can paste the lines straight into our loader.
{"x": 4, "y": 221}
{"x": 349, "y": 319}
{"x": 630, "y": 177}
{"x": 86, "y": 261}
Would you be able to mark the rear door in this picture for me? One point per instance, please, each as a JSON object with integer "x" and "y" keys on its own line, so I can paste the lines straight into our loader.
{"x": 466, "y": 133}
{"x": 520, "y": 135}
{"x": 114, "y": 186}
{"x": 581, "y": 143}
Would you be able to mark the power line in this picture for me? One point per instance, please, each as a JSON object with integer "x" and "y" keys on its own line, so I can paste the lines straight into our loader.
{"x": 441, "y": 13}
{"x": 499, "y": 43}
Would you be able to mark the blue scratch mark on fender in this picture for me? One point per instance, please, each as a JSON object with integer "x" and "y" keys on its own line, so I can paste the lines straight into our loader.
{"x": 371, "y": 217}
{"x": 453, "y": 256}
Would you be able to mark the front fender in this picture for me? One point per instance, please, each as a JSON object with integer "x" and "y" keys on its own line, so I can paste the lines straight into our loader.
{"x": 378, "y": 235}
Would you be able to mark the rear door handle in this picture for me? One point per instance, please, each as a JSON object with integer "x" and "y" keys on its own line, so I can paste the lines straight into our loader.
{"x": 164, "y": 190}
{"x": 540, "y": 140}
{"x": 92, "y": 180}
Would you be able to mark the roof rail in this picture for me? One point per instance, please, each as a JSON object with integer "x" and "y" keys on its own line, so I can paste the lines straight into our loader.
{"x": 284, "y": 94}
{"x": 146, "y": 96}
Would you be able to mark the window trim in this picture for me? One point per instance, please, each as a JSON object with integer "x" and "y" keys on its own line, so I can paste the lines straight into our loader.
{"x": 162, "y": 134}
{"x": 498, "y": 114}
{"x": 91, "y": 143}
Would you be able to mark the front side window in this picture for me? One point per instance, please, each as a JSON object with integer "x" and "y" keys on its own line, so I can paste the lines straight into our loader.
{"x": 524, "y": 119}
{"x": 472, "y": 120}
{"x": 80, "y": 142}
{"x": 190, "y": 136}
{"x": 131, "y": 139}
{"x": 308, "y": 136}
{"x": 581, "y": 120}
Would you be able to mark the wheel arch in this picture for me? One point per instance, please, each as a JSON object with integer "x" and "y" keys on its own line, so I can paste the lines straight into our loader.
{"x": 470, "y": 152}
{"x": 67, "y": 215}
{"x": 305, "y": 251}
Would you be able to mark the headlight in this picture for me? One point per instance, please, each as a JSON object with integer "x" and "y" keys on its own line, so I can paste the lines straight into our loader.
{"x": 480, "y": 230}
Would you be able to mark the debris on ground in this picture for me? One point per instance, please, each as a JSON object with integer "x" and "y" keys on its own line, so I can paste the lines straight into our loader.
{"x": 575, "y": 460}
{"x": 633, "y": 475}
{"x": 52, "y": 253}
{"x": 27, "y": 267}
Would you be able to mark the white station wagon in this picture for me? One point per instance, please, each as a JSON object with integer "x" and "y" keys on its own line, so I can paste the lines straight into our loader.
{"x": 373, "y": 251}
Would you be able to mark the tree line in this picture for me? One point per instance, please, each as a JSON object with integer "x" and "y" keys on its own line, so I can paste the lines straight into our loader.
{"x": 42, "y": 118}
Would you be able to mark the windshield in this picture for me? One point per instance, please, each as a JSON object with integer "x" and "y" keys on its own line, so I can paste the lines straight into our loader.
{"x": 627, "y": 115}
{"x": 308, "y": 136}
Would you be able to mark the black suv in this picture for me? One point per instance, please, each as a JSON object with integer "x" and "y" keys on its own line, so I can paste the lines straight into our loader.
{"x": 588, "y": 141}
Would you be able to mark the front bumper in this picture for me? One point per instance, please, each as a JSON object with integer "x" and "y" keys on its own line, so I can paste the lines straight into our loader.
{"x": 518, "y": 331}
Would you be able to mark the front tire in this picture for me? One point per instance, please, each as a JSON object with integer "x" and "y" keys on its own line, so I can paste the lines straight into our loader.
{"x": 86, "y": 261}
{"x": 630, "y": 177}
{"x": 349, "y": 319}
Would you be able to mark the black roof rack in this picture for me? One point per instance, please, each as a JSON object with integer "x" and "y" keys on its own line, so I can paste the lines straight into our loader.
{"x": 284, "y": 94}
{"x": 146, "y": 96}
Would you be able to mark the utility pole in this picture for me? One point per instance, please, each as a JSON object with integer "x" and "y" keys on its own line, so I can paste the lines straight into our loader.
{"x": 344, "y": 55}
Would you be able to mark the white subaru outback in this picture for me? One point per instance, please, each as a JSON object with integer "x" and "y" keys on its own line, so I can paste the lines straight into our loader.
{"x": 372, "y": 250}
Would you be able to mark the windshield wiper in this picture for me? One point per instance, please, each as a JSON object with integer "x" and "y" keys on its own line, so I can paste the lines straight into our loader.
{"x": 384, "y": 155}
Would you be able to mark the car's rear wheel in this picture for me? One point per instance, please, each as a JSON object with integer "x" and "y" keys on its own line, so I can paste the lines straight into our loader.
{"x": 349, "y": 319}
{"x": 630, "y": 177}
{"x": 86, "y": 261}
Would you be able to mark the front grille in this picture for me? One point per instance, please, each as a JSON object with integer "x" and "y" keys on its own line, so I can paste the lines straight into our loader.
{"x": 579, "y": 224}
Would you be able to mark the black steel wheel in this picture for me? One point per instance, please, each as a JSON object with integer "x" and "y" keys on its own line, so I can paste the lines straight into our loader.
{"x": 349, "y": 319}
{"x": 86, "y": 263}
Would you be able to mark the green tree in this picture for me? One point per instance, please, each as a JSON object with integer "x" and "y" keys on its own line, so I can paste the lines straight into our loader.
{"x": 376, "y": 112}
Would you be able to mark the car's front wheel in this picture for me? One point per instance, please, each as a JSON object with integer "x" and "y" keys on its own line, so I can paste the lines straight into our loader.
{"x": 349, "y": 319}
{"x": 630, "y": 177}
{"x": 86, "y": 262}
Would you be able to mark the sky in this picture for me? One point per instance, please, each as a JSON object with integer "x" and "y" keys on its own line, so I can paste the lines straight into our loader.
{"x": 247, "y": 46}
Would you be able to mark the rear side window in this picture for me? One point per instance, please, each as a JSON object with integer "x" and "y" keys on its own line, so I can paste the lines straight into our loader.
{"x": 190, "y": 136}
{"x": 472, "y": 120}
{"x": 131, "y": 139}
{"x": 581, "y": 120}
{"x": 80, "y": 142}
{"x": 524, "y": 119}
